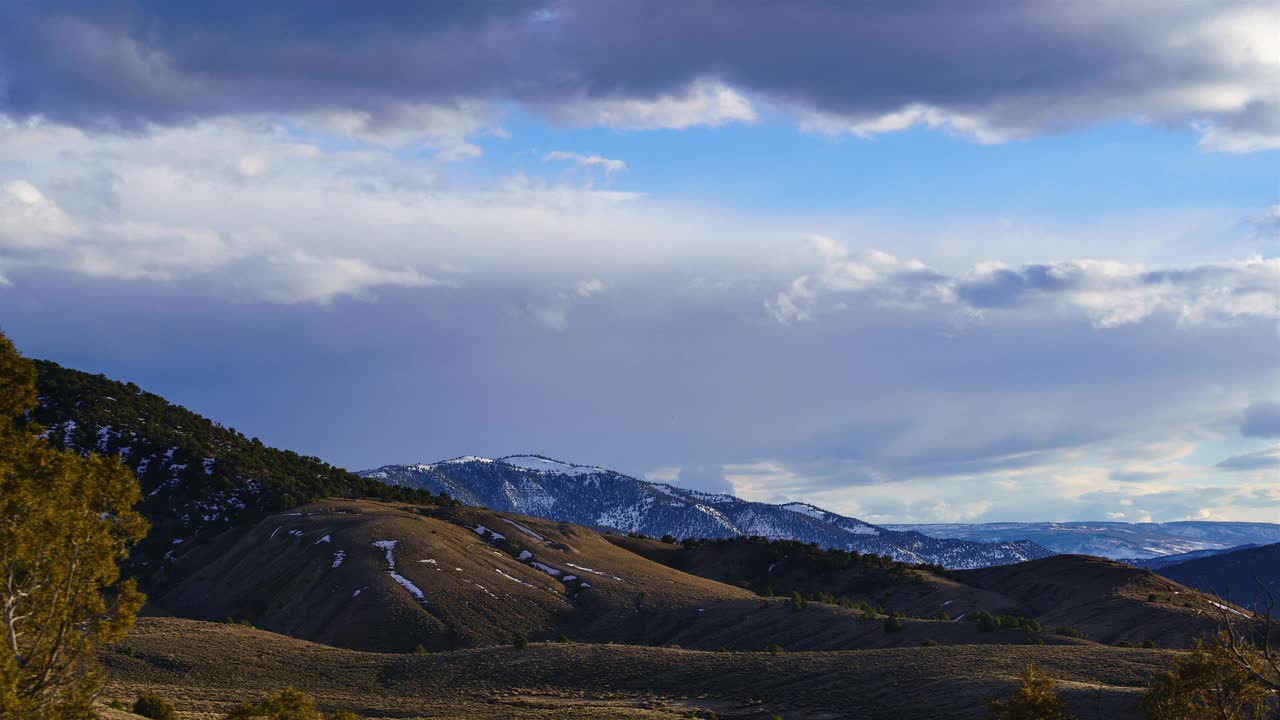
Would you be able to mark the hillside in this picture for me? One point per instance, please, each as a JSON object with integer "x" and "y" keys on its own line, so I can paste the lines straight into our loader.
{"x": 1116, "y": 540}
{"x": 204, "y": 668}
{"x": 596, "y": 497}
{"x": 1111, "y": 601}
{"x": 1108, "y": 601}
{"x": 1243, "y": 577}
{"x": 388, "y": 577}
{"x": 199, "y": 479}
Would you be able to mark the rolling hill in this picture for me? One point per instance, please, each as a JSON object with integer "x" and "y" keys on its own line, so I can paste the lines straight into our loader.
{"x": 204, "y": 668}
{"x": 1243, "y": 577}
{"x": 596, "y": 497}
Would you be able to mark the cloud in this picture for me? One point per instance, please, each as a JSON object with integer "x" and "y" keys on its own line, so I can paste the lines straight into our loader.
{"x": 609, "y": 166}
{"x": 1109, "y": 293}
{"x": 992, "y": 72}
{"x": 1268, "y": 459}
{"x": 1261, "y": 419}
{"x": 700, "y": 103}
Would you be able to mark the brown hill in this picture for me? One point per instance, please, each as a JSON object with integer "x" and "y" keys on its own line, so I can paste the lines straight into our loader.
{"x": 1109, "y": 601}
{"x": 203, "y": 668}
{"x": 388, "y": 577}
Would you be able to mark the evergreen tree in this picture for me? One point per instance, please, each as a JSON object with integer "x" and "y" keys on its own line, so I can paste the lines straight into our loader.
{"x": 1037, "y": 698}
{"x": 66, "y": 521}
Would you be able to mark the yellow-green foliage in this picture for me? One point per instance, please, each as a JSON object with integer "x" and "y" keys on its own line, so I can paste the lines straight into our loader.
{"x": 1036, "y": 699}
{"x": 66, "y": 521}
{"x": 1208, "y": 684}
{"x": 288, "y": 704}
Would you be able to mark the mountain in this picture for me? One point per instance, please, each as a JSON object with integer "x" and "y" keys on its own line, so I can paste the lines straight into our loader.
{"x": 1114, "y": 540}
{"x": 199, "y": 479}
{"x": 1243, "y": 576}
{"x": 1163, "y": 561}
{"x": 593, "y": 496}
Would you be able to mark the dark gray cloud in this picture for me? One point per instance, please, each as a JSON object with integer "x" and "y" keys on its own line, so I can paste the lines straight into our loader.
{"x": 989, "y": 68}
{"x": 1261, "y": 419}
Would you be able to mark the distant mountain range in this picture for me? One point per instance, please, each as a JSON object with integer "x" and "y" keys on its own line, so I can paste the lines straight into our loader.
{"x": 1116, "y": 540}
{"x": 594, "y": 496}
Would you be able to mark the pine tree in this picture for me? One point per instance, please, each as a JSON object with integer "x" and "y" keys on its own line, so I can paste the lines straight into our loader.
{"x": 66, "y": 522}
{"x": 1037, "y": 698}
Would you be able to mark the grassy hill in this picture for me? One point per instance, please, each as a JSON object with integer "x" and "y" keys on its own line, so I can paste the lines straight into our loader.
{"x": 1107, "y": 601}
{"x": 203, "y": 668}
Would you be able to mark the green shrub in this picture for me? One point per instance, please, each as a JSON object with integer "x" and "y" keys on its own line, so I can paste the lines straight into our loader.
{"x": 150, "y": 705}
{"x": 774, "y": 649}
{"x": 1037, "y": 698}
{"x": 929, "y": 643}
{"x": 520, "y": 642}
{"x": 893, "y": 624}
{"x": 419, "y": 650}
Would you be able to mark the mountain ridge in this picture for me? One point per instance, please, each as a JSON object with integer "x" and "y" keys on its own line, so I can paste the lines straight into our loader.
{"x": 590, "y": 495}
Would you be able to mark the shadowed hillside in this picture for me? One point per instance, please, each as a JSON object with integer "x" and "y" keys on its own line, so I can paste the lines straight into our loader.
{"x": 198, "y": 478}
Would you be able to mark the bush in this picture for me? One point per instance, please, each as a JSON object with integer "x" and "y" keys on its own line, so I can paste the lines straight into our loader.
{"x": 893, "y": 624}
{"x": 1149, "y": 644}
{"x": 150, "y": 705}
{"x": 419, "y": 650}
{"x": 1037, "y": 698}
{"x": 929, "y": 643}
{"x": 669, "y": 539}
{"x": 288, "y": 704}
{"x": 1070, "y": 632}
{"x": 1204, "y": 683}
{"x": 520, "y": 642}
{"x": 774, "y": 649}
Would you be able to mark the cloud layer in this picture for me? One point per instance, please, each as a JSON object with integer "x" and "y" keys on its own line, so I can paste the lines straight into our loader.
{"x": 991, "y": 71}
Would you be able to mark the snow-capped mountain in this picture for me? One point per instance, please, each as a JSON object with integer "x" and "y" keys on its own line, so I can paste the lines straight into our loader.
{"x": 1117, "y": 540}
{"x": 594, "y": 496}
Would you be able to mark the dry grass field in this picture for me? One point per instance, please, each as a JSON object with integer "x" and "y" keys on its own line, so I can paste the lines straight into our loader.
{"x": 204, "y": 667}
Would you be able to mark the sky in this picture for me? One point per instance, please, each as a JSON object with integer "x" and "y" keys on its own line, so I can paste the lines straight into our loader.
{"x": 925, "y": 262}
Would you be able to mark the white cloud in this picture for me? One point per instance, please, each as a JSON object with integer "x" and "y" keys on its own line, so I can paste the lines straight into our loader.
{"x": 1110, "y": 294}
{"x": 706, "y": 103}
{"x": 608, "y": 165}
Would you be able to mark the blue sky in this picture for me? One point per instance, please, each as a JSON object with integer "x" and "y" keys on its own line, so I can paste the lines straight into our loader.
{"x": 892, "y": 272}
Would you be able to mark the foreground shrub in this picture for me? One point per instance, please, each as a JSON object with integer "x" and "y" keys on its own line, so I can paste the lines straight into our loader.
{"x": 1037, "y": 698}
{"x": 1208, "y": 683}
{"x": 288, "y": 704}
{"x": 150, "y": 705}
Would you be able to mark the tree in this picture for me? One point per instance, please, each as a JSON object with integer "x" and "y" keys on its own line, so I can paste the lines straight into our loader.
{"x": 1207, "y": 683}
{"x": 1037, "y": 698}
{"x": 66, "y": 521}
